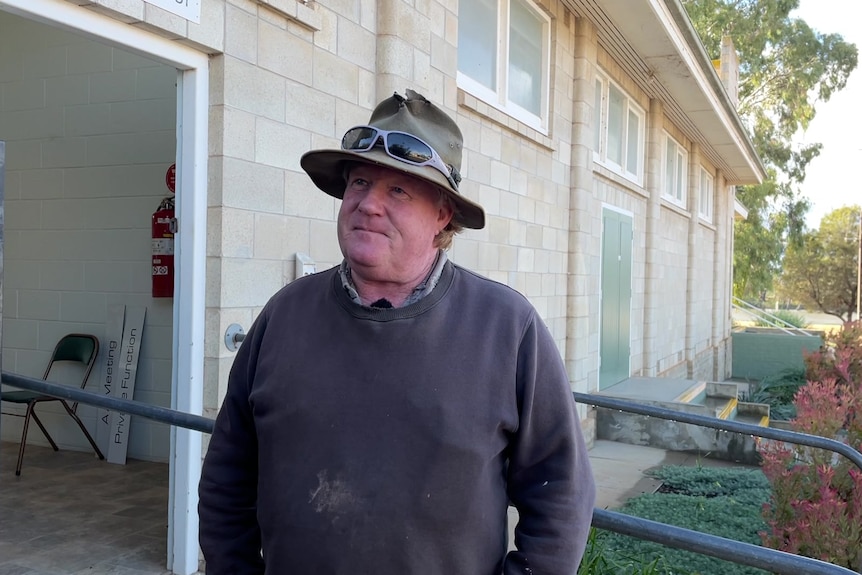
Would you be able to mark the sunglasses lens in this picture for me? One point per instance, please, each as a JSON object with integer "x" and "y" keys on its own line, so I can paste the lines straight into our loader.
{"x": 408, "y": 148}
{"x": 359, "y": 139}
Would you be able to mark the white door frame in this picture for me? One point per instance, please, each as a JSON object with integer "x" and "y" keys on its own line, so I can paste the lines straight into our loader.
{"x": 188, "y": 328}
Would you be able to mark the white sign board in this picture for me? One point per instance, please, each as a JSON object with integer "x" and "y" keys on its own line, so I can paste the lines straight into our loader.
{"x": 188, "y": 9}
{"x": 110, "y": 368}
{"x": 124, "y": 383}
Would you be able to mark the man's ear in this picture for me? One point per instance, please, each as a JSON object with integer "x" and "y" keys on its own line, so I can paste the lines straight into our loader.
{"x": 445, "y": 210}
{"x": 444, "y": 215}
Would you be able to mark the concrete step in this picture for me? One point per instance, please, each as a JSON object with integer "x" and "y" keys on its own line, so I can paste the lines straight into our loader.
{"x": 721, "y": 407}
{"x": 712, "y": 399}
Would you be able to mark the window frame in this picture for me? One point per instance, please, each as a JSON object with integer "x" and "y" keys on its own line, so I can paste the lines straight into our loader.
{"x": 680, "y": 172}
{"x": 499, "y": 97}
{"x": 601, "y": 129}
{"x": 705, "y": 205}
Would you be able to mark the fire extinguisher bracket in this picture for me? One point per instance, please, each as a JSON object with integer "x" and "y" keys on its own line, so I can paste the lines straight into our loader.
{"x": 164, "y": 226}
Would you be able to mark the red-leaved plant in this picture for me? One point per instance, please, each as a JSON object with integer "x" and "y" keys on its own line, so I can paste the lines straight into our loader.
{"x": 816, "y": 505}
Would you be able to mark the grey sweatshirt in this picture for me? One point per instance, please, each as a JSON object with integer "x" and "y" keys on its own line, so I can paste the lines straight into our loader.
{"x": 355, "y": 440}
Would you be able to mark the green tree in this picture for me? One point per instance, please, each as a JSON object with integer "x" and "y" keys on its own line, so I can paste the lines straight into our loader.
{"x": 821, "y": 272}
{"x": 786, "y": 69}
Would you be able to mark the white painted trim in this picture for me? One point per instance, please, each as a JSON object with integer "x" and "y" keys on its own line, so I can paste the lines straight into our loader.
{"x": 189, "y": 303}
{"x": 619, "y": 210}
{"x": 698, "y": 74}
{"x": 600, "y": 156}
{"x": 63, "y": 14}
{"x": 498, "y": 97}
{"x": 189, "y": 307}
{"x": 740, "y": 212}
{"x": 681, "y": 203}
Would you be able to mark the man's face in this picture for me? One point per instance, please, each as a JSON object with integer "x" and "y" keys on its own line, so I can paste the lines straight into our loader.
{"x": 387, "y": 223}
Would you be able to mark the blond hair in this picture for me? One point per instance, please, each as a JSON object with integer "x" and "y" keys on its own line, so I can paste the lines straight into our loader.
{"x": 443, "y": 240}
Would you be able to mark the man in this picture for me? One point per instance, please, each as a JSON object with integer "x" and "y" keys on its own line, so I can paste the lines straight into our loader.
{"x": 380, "y": 416}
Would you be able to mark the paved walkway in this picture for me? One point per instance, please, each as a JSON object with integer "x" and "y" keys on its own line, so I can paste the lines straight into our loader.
{"x": 70, "y": 513}
{"x": 620, "y": 469}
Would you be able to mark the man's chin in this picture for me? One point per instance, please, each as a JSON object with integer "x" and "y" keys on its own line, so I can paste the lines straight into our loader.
{"x": 366, "y": 257}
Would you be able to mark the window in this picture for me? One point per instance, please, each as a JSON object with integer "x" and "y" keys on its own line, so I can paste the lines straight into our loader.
{"x": 675, "y": 158}
{"x": 618, "y": 131}
{"x": 705, "y": 208}
{"x": 504, "y": 57}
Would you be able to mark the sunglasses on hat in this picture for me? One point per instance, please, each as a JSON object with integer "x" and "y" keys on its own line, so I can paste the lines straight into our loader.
{"x": 401, "y": 146}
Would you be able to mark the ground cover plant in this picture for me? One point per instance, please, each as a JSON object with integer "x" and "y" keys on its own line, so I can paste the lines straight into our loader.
{"x": 722, "y": 501}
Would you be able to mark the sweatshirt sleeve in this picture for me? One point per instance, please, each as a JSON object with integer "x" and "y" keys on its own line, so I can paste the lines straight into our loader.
{"x": 550, "y": 481}
{"x": 229, "y": 533}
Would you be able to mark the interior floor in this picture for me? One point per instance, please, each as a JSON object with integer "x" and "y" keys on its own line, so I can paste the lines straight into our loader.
{"x": 70, "y": 513}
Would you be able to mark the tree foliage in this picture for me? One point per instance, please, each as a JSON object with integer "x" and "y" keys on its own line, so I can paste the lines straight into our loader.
{"x": 786, "y": 69}
{"x": 821, "y": 272}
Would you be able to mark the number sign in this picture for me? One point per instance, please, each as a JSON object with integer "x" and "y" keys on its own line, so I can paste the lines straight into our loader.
{"x": 188, "y": 9}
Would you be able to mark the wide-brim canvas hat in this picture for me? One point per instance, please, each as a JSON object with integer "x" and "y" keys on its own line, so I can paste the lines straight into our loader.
{"x": 413, "y": 115}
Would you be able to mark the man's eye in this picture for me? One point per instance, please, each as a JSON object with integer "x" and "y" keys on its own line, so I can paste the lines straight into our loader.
{"x": 358, "y": 182}
{"x": 399, "y": 191}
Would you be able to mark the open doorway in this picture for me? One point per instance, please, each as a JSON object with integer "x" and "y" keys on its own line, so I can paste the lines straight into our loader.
{"x": 90, "y": 131}
{"x": 94, "y": 112}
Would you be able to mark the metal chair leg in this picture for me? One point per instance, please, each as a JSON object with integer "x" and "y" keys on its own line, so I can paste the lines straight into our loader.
{"x": 84, "y": 429}
{"x": 42, "y": 427}
{"x": 23, "y": 438}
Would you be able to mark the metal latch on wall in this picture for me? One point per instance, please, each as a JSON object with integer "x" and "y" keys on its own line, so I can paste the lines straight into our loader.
{"x": 234, "y": 336}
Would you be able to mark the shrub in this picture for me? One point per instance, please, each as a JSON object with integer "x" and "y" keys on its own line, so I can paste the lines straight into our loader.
{"x": 816, "y": 507}
{"x": 784, "y": 318}
{"x": 777, "y": 391}
{"x": 840, "y": 356}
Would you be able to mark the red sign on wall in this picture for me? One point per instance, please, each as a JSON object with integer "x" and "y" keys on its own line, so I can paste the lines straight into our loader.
{"x": 171, "y": 178}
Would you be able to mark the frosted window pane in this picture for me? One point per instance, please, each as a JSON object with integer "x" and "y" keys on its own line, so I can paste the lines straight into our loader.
{"x": 477, "y": 41}
{"x": 525, "y": 58}
{"x": 632, "y": 141}
{"x": 615, "y": 126}
{"x": 597, "y": 117}
{"x": 669, "y": 171}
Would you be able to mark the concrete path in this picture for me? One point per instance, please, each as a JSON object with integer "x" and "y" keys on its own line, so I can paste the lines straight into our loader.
{"x": 619, "y": 469}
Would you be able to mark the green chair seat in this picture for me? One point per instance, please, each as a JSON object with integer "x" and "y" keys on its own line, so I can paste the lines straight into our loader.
{"x": 20, "y": 396}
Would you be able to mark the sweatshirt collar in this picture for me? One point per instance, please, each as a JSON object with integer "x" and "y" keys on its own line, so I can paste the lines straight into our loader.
{"x": 420, "y": 291}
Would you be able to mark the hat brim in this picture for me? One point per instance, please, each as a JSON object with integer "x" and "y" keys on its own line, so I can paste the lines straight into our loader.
{"x": 326, "y": 170}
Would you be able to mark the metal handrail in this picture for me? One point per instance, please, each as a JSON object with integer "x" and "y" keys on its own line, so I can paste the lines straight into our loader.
{"x": 738, "y": 552}
{"x": 771, "y": 560}
{"x": 154, "y": 412}
{"x": 768, "y": 318}
{"x": 671, "y": 537}
{"x": 722, "y": 424}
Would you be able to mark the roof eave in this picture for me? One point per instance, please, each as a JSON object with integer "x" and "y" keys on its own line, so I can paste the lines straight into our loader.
{"x": 661, "y": 32}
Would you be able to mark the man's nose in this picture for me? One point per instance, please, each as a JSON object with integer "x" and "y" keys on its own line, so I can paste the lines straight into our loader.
{"x": 372, "y": 200}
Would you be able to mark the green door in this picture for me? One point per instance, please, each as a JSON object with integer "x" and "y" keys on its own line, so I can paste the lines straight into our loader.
{"x": 616, "y": 298}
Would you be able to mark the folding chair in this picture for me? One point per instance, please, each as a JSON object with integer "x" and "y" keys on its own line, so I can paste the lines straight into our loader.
{"x": 77, "y": 348}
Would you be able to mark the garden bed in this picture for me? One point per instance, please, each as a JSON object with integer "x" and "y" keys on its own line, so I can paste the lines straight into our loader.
{"x": 721, "y": 501}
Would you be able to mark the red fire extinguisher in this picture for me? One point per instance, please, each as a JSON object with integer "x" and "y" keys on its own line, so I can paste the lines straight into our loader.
{"x": 164, "y": 227}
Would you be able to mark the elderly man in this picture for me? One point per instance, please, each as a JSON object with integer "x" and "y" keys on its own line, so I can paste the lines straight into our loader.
{"x": 381, "y": 416}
